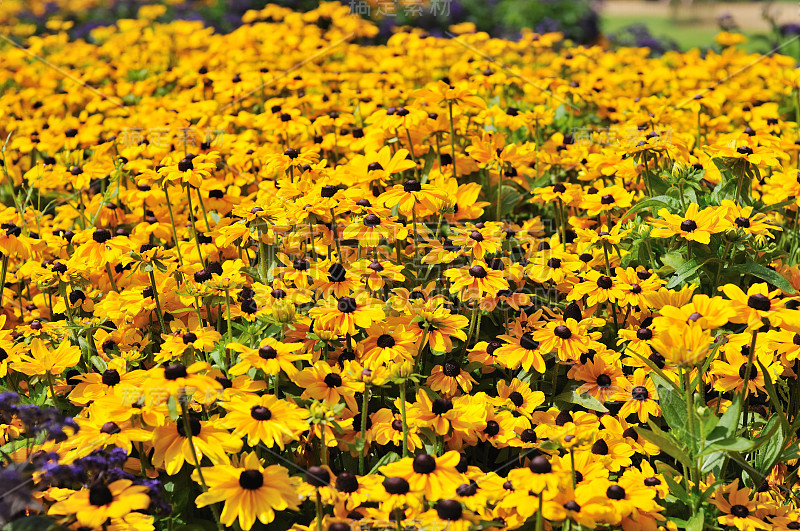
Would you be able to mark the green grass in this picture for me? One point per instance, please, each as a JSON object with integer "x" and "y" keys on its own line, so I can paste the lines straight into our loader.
{"x": 687, "y": 35}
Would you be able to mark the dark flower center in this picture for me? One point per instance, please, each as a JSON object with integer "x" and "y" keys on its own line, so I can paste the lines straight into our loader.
{"x": 317, "y": 476}
{"x": 396, "y": 485}
{"x": 640, "y": 393}
{"x": 412, "y": 186}
{"x": 759, "y": 302}
{"x": 467, "y": 490}
{"x": 424, "y": 464}
{"x": 101, "y": 235}
{"x": 492, "y": 428}
{"x": 563, "y": 332}
{"x": 448, "y": 510}
{"x": 385, "y": 341}
{"x": 563, "y": 418}
{"x": 111, "y": 377}
{"x": 347, "y": 305}
{"x": 189, "y": 337}
{"x": 185, "y": 164}
{"x": 278, "y": 293}
{"x": 477, "y": 271}
{"x": 652, "y": 482}
{"x": 600, "y": 447}
{"x": 740, "y": 511}
{"x": 605, "y": 282}
{"x": 630, "y": 432}
{"x": 572, "y": 506}
{"x": 559, "y": 188}
{"x": 516, "y": 398}
{"x": 110, "y": 428}
{"x": 333, "y": 380}
{"x": 301, "y": 265}
{"x": 688, "y": 225}
{"x": 540, "y": 465}
{"x": 554, "y": 263}
{"x": 644, "y": 334}
{"x": 695, "y": 316}
{"x": 527, "y": 436}
{"x": 607, "y": 200}
{"x": 346, "y": 482}
{"x": 604, "y": 380}
{"x": 397, "y": 425}
{"x": 743, "y": 371}
{"x": 615, "y": 492}
{"x": 100, "y": 495}
{"x": 267, "y": 353}
{"x": 440, "y": 406}
{"x": 251, "y": 479}
{"x": 741, "y": 222}
{"x": 194, "y": 425}
{"x": 371, "y": 220}
{"x": 451, "y": 369}
{"x": 374, "y": 166}
{"x": 658, "y": 360}
{"x": 337, "y": 273}
{"x": 636, "y": 288}
{"x": 175, "y": 371}
{"x": 796, "y": 339}
{"x": 527, "y": 342}
{"x": 260, "y": 413}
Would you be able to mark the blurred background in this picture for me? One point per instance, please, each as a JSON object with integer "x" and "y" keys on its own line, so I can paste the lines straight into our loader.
{"x": 661, "y": 25}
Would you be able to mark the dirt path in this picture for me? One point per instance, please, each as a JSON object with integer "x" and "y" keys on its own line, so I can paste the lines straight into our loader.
{"x": 748, "y": 15}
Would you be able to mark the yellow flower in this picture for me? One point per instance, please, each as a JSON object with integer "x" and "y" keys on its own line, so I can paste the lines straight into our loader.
{"x": 249, "y": 491}
{"x": 42, "y": 361}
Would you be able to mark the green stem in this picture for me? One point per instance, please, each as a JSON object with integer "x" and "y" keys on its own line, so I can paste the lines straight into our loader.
{"x": 403, "y": 417}
{"x": 111, "y": 278}
{"x": 364, "y": 411}
{"x": 187, "y": 428}
{"x": 174, "y": 230}
{"x": 748, "y": 370}
{"x": 191, "y": 224}
{"x": 452, "y": 137}
{"x": 164, "y": 328}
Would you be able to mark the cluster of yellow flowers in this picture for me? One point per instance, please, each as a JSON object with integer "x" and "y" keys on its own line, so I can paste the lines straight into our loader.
{"x": 437, "y": 282}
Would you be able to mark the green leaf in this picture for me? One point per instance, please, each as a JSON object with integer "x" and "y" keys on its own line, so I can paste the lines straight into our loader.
{"x": 696, "y": 522}
{"x": 686, "y": 271}
{"x": 585, "y": 400}
{"x": 765, "y": 274}
{"x": 773, "y": 397}
{"x": 665, "y": 442}
{"x": 729, "y": 423}
{"x": 391, "y": 457}
{"x": 673, "y": 407}
{"x": 661, "y": 201}
{"x": 734, "y": 444}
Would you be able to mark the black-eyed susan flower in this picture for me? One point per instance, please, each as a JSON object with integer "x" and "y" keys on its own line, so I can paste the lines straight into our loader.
{"x": 171, "y": 447}
{"x": 436, "y": 477}
{"x": 640, "y": 397}
{"x": 695, "y": 225}
{"x": 344, "y": 314}
{"x": 266, "y": 419}
{"x": 325, "y": 382}
{"x": 250, "y": 492}
{"x": 94, "y": 506}
{"x": 271, "y": 356}
{"x": 479, "y": 279}
{"x": 737, "y": 509}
